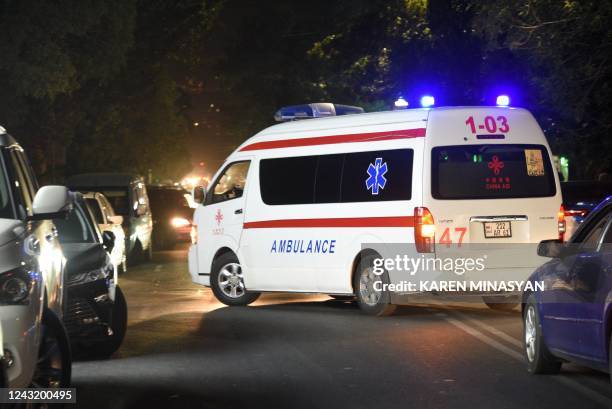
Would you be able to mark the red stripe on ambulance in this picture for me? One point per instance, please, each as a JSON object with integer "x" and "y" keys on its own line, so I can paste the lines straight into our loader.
{"x": 394, "y": 221}
{"x": 333, "y": 139}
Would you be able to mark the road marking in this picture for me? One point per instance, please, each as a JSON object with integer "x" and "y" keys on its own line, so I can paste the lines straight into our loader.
{"x": 571, "y": 383}
{"x": 509, "y": 339}
{"x": 486, "y": 339}
{"x": 158, "y": 268}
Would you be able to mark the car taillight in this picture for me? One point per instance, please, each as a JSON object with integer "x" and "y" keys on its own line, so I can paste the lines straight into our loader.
{"x": 194, "y": 234}
{"x": 561, "y": 223}
{"x": 424, "y": 230}
{"x": 575, "y": 213}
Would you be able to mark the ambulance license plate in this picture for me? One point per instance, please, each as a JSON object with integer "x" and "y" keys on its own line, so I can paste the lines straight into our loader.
{"x": 495, "y": 230}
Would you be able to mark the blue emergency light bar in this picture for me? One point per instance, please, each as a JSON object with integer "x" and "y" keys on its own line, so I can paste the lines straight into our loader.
{"x": 502, "y": 101}
{"x": 400, "y": 103}
{"x": 316, "y": 110}
{"x": 427, "y": 101}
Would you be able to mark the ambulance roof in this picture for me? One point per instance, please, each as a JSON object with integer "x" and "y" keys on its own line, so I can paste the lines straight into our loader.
{"x": 305, "y": 127}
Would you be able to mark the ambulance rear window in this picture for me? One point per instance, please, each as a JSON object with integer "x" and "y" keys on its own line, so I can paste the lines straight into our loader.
{"x": 491, "y": 172}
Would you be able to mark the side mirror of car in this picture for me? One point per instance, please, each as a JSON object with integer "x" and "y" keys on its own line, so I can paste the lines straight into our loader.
{"x": 117, "y": 219}
{"x": 199, "y": 194}
{"x": 553, "y": 249}
{"x": 51, "y": 202}
{"x": 108, "y": 240}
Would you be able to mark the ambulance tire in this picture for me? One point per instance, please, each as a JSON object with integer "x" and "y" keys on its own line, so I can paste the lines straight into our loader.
{"x": 226, "y": 281}
{"x": 370, "y": 301}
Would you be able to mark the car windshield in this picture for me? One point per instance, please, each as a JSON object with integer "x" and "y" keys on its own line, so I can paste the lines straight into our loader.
{"x": 75, "y": 228}
{"x": 491, "y": 172}
{"x": 167, "y": 200}
{"x": 6, "y": 209}
{"x": 119, "y": 199}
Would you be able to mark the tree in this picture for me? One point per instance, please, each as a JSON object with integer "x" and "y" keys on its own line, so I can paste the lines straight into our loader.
{"x": 94, "y": 80}
{"x": 567, "y": 46}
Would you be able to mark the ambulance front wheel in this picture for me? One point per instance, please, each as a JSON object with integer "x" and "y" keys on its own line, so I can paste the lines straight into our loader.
{"x": 370, "y": 292}
{"x": 227, "y": 282}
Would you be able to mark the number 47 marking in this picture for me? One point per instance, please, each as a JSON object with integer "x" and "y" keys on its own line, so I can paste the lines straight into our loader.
{"x": 446, "y": 236}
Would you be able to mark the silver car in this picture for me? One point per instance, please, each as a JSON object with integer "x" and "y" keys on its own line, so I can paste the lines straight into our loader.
{"x": 35, "y": 345}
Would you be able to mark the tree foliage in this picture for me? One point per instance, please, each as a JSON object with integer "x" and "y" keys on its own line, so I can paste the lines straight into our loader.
{"x": 112, "y": 82}
{"x": 567, "y": 46}
{"x": 88, "y": 84}
{"x": 552, "y": 55}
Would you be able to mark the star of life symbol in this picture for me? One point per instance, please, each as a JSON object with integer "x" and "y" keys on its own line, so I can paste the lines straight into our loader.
{"x": 376, "y": 176}
{"x": 218, "y": 217}
{"x": 496, "y": 165}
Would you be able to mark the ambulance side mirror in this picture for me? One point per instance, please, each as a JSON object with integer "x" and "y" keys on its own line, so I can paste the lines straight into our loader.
{"x": 199, "y": 194}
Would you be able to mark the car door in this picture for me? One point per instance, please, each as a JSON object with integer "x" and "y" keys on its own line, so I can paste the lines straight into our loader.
{"x": 591, "y": 278}
{"x": 51, "y": 260}
{"x": 558, "y": 305}
{"x": 223, "y": 211}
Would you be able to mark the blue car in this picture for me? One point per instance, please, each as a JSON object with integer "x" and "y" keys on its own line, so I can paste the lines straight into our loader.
{"x": 571, "y": 319}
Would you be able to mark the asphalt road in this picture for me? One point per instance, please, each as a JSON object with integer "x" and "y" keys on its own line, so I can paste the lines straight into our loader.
{"x": 184, "y": 349}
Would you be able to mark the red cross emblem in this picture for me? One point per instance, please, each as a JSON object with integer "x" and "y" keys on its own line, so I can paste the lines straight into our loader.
{"x": 496, "y": 164}
{"x": 218, "y": 217}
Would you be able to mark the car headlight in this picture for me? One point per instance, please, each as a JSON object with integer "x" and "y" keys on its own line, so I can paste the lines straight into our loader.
{"x": 91, "y": 276}
{"x": 15, "y": 286}
{"x": 177, "y": 222}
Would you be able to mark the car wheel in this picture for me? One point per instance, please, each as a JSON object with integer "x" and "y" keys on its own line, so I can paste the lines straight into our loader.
{"x": 500, "y": 303}
{"x": 370, "y": 300}
{"x": 54, "y": 366}
{"x": 539, "y": 359}
{"x": 227, "y": 281}
{"x": 118, "y": 326}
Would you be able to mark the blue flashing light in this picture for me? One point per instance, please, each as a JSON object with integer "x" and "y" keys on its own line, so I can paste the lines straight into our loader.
{"x": 502, "y": 101}
{"x": 427, "y": 101}
{"x": 400, "y": 103}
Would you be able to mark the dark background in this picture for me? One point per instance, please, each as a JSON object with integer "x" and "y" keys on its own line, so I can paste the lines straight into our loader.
{"x": 167, "y": 84}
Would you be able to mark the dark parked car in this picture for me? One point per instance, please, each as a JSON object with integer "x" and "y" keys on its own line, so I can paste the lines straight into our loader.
{"x": 95, "y": 310}
{"x": 579, "y": 198}
{"x": 571, "y": 320}
{"x": 172, "y": 216}
{"x": 128, "y": 196}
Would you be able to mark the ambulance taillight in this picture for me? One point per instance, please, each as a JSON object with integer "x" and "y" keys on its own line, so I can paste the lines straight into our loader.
{"x": 424, "y": 230}
{"x": 561, "y": 223}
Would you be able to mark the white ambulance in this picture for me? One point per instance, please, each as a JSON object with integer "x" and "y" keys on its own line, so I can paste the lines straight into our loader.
{"x": 295, "y": 207}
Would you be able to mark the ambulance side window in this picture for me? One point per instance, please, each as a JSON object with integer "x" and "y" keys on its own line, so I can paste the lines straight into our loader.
{"x": 230, "y": 185}
{"x": 329, "y": 177}
{"x": 287, "y": 181}
{"x": 377, "y": 176}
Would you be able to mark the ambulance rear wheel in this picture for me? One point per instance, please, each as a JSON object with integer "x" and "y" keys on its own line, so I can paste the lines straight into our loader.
{"x": 369, "y": 292}
{"x": 227, "y": 282}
